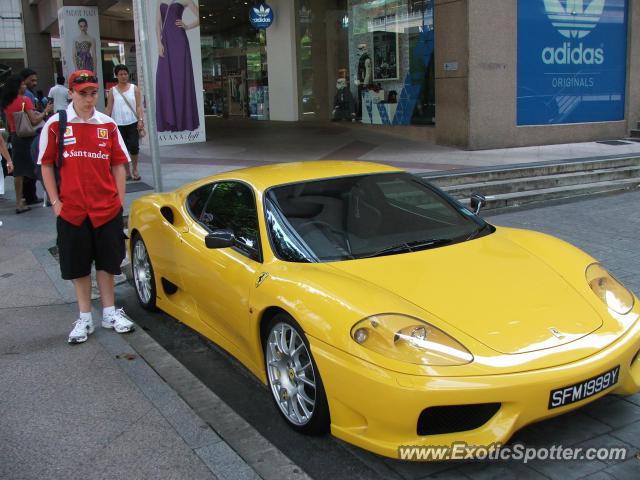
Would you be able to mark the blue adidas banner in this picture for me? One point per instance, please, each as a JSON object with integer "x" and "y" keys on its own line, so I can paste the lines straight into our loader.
{"x": 572, "y": 57}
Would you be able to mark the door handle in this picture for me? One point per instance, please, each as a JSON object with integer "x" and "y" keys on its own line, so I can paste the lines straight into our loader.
{"x": 181, "y": 232}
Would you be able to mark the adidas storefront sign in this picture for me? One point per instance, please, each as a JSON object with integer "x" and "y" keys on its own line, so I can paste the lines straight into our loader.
{"x": 572, "y": 61}
{"x": 567, "y": 55}
{"x": 261, "y": 16}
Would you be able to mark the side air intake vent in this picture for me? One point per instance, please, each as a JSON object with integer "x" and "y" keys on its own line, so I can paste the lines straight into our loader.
{"x": 167, "y": 213}
{"x": 455, "y": 418}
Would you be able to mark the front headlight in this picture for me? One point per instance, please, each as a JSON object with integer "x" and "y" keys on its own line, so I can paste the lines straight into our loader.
{"x": 410, "y": 340}
{"x": 608, "y": 289}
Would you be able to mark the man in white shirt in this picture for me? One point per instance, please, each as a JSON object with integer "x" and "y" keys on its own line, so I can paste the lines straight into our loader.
{"x": 60, "y": 95}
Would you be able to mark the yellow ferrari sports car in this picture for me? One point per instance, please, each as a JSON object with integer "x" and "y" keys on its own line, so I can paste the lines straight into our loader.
{"x": 375, "y": 306}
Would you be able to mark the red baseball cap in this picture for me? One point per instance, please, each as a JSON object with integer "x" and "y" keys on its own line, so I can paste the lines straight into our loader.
{"x": 81, "y": 79}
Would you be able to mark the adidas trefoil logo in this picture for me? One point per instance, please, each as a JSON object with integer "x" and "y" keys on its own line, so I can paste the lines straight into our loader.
{"x": 261, "y": 11}
{"x": 574, "y": 18}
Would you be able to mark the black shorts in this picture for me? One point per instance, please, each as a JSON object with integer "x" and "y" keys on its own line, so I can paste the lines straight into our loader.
{"x": 79, "y": 247}
{"x": 131, "y": 137}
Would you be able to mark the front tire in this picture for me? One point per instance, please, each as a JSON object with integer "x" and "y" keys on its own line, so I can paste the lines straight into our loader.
{"x": 293, "y": 377}
{"x": 143, "y": 277}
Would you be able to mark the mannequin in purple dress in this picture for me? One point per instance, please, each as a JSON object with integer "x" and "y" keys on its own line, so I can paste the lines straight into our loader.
{"x": 176, "y": 106}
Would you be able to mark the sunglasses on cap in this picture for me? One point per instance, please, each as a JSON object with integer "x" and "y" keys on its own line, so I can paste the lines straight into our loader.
{"x": 85, "y": 78}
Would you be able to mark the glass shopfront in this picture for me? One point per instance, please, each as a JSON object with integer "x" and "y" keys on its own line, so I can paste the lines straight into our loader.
{"x": 358, "y": 60}
{"x": 234, "y": 61}
{"x": 366, "y": 60}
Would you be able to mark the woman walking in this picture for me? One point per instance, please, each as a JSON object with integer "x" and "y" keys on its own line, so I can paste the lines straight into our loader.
{"x": 13, "y": 101}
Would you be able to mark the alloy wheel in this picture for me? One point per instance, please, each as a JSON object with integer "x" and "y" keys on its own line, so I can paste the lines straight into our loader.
{"x": 142, "y": 272}
{"x": 291, "y": 374}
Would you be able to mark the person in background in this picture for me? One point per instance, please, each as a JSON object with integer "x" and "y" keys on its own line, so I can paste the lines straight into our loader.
{"x": 30, "y": 78}
{"x": 124, "y": 105}
{"x": 59, "y": 95}
{"x": 12, "y": 101}
{"x": 89, "y": 203}
{"x": 41, "y": 101}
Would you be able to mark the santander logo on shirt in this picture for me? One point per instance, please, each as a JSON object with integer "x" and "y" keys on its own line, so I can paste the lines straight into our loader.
{"x": 85, "y": 154}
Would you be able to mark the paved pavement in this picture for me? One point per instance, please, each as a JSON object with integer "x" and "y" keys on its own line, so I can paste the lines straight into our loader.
{"x": 121, "y": 406}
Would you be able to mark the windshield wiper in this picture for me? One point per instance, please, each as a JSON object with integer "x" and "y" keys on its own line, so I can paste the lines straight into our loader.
{"x": 477, "y": 232}
{"x": 413, "y": 246}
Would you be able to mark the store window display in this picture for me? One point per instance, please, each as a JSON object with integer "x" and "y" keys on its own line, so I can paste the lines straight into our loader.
{"x": 377, "y": 47}
{"x": 397, "y": 38}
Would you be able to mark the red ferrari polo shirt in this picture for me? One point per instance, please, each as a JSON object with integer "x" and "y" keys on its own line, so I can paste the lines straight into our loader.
{"x": 91, "y": 148}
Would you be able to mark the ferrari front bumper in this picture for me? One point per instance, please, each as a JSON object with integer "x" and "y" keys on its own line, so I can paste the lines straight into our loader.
{"x": 378, "y": 409}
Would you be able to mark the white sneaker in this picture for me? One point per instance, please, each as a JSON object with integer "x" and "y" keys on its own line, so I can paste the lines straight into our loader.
{"x": 118, "y": 321}
{"x": 81, "y": 331}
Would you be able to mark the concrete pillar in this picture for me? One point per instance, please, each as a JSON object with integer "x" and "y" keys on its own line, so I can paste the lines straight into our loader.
{"x": 282, "y": 61}
{"x": 37, "y": 47}
{"x": 451, "y": 26}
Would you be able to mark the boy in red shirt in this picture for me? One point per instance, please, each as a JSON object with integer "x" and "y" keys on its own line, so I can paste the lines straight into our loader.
{"x": 88, "y": 205}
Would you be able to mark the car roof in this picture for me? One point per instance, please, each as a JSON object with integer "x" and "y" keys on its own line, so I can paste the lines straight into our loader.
{"x": 266, "y": 176}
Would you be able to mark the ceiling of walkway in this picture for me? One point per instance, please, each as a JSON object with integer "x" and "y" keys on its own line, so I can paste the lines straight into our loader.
{"x": 122, "y": 9}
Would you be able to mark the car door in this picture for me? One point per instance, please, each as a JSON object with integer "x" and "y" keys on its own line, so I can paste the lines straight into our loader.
{"x": 220, "y": 280}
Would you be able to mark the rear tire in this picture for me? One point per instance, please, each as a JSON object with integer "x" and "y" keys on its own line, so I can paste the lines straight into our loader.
{"x": 293, "y": 377}
{"x": 144, "y": 279}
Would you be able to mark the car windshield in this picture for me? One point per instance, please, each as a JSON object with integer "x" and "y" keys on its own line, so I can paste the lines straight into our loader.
{"x": 364, "y": 216}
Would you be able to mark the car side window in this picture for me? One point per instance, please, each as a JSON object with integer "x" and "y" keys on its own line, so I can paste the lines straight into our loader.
{"x": 232, "y": 206}
{"x": 198, "y": 199}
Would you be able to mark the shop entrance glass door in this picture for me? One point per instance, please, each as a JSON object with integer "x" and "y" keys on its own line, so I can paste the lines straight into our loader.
{"x": 236, "y": 94}
{"x": 234, "y": 61}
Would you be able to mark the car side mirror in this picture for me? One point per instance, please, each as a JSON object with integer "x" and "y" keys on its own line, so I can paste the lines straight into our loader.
{"x": 477, "y": 202}
{"x": 221, "y": 238}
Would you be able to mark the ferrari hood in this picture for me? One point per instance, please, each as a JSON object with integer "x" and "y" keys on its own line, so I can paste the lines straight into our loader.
{"x": 490, "y": 288}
